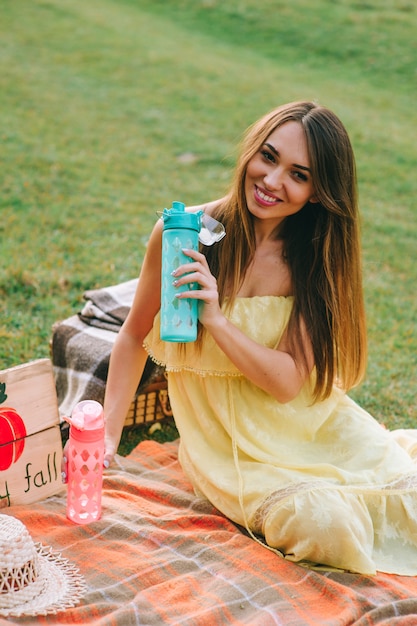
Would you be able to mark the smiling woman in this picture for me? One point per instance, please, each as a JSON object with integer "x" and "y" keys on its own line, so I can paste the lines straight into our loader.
{"x": 268, "y": 434}
{"x": 315, "y": 249}
{"x": 275, "y": 177}
{"x": 276, "y": 186}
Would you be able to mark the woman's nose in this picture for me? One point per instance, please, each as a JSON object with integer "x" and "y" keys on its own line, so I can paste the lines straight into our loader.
{"x": 274, "y": 179}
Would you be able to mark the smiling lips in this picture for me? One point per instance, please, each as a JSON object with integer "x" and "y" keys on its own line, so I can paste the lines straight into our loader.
{"x": 264, "y": 198}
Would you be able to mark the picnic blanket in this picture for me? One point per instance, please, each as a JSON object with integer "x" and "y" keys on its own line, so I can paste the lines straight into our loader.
{"x": 161, "y": 555}
{"x": 81, "y": 346}
{"x": 108, "y": 307}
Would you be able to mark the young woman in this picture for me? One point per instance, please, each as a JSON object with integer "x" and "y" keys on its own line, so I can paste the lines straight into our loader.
{"x": 268, "y": 434}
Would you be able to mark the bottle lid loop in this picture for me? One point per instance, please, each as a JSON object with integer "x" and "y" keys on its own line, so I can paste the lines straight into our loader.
{"x": 209, "y": 230}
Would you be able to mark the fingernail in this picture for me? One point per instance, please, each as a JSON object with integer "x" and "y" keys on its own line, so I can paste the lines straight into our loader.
{"x": 174, "y": 273}
{"x": 106, "y": 463}
{"x": 64, "y": 458}
{"x": 175, "y": 283}
{"x": 64, "y": 477}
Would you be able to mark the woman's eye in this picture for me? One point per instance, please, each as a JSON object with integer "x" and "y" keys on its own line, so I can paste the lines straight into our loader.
{"x": 300, "y": 175}
{"x": 268, "y": 156}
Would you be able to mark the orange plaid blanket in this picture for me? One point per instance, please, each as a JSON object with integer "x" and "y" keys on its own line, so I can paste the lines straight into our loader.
{"x": 160, "y": 555}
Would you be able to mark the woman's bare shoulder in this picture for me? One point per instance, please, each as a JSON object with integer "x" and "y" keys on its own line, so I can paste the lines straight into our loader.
{"x": 208, "y": 207}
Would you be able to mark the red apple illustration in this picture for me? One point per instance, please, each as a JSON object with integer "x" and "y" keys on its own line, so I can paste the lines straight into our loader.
{"x": 12, "y": 433}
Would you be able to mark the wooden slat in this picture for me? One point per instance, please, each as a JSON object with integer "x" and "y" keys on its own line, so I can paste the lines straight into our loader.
{"x": 30, "y": 389}
{"x": 29, "y": 465}
{"x": 37, "y": 474}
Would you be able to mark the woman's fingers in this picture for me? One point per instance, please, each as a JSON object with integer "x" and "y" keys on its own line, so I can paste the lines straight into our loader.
{"x": 109, "y": 451}
{"x": 202, "y": 279}
{"x": 196, "y": 271}
{"x": 64, "y": 463}
{"x": 107, "y": 460}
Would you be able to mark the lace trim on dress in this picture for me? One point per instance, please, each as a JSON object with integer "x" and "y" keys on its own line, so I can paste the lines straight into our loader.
{"x": 280, "y": 495}
{"x": 188, "y": 368}
{"x": 398, "y": 487}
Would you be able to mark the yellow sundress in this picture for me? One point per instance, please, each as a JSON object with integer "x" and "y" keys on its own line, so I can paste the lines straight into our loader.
{"x": 323, "y": 483}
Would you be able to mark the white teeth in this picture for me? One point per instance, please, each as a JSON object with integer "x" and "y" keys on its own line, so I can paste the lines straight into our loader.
{"x": 264, "y": 197}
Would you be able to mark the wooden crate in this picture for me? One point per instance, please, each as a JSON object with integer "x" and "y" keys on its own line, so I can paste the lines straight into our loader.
{"x": 30, "y": 440}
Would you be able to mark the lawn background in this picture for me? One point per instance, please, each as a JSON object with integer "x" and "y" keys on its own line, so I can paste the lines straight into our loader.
{"x": 111, "y": 109}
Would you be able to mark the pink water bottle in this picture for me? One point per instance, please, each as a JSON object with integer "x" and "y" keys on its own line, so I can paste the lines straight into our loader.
{"x": 85, "y": 462}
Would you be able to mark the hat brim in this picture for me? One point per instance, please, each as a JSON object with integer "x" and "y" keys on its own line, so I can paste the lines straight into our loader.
{"x": 58, "y": 586}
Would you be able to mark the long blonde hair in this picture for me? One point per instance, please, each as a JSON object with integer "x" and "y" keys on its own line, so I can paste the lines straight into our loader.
{"x": 321, "y": 246}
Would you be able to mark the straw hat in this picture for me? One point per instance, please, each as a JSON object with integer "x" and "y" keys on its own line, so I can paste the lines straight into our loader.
{"x": 34, "y": 580}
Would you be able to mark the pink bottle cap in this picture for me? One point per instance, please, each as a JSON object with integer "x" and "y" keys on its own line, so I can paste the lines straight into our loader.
{"x": 87, "y": 415}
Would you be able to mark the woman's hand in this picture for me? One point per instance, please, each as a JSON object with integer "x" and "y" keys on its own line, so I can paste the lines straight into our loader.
{"x": 64, "y": 463}
{"x": 110, "y": 449}
{"x": 198, "y": 272}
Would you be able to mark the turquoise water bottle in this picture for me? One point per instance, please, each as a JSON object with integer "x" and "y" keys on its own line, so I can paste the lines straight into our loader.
{"x": 178, "y": 317}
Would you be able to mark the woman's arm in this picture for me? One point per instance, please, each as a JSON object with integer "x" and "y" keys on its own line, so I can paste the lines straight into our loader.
{"x": 281, "y": 372}
{"x": 128, "y": 357}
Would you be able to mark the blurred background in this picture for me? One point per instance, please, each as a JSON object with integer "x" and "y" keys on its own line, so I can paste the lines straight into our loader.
{"x": 111, "y": 109}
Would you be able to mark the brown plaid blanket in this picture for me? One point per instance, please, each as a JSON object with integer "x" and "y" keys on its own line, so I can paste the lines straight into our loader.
{"x": 108, "y": 307}
{"x": 161, "y": 555}
{"x": 81, "y": 346}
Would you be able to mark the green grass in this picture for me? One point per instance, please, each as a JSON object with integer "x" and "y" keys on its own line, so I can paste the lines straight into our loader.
{"x": 100, "y": 100}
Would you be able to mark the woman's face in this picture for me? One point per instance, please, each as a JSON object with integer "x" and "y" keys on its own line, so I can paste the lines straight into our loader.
{"x": 278, "y": 180}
